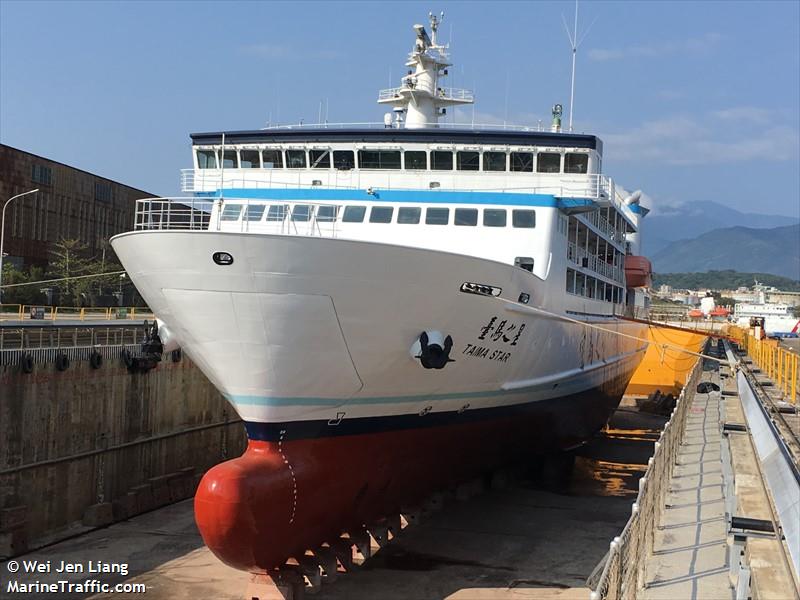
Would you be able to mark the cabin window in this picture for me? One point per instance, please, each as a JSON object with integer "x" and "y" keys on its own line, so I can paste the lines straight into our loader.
{"x": 344, "y": 160}
{"x": 523, "y": 218}
{"x": 230, "y": 160}
{"x": 408, "y": 215}
{"x": 231, "y": 212}
{"x": 354, "y": 214}
{"x": 416, "y": 159}
{"x": 466, "y": 216}
{"x": 381, "y": 214}
{"x": 437, "y": 216}
{"x": 494, "y": 161}
{"x": 327, "y": 213}
{"x": 206, "y": 159}
{"x": 250, "y": 159}
{"x": 441, "y": 160}
{"x": 272, "y": 159}
{"x": 494, "y": 217}
{"x": 576, "y": 163}
{"x": 320, "y": 159}
{"x": 548, "y": 162}
{"x": 277, "y": 212}
{"x": 571, "y": 281}
{"x": 379, "y": 159}
{"x": 295, "y": 159}
{"x": 522, "y": 162}
{"x": 254, "y": 212}
{"x": 468, "y": 161}
{"x": 302, "y": 212}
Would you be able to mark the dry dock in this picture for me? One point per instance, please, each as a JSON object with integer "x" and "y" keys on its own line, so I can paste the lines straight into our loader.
{"x": 657, "y": 506}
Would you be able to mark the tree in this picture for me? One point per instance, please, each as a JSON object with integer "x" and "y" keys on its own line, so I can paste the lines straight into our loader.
{"x": 27, "y": 294}
{"x": 68, "y": 259}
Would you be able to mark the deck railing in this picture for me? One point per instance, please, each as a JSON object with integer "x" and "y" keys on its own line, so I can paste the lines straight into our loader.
{"x": 582, "y": 258}
{"x": 623, "y": 573}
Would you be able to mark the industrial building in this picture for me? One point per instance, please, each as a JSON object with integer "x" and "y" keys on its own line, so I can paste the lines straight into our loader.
{"x": 71, "y": 203}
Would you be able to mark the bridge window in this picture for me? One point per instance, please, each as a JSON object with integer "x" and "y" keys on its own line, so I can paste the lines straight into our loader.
{"x": 327, "y": 213}
{"x": 576, "y": 163}
{"x": 272, "y": 159}
{"x": 437, "y": 216}
{"x": 408, "y": 215}
{"x": 381, "y": 214}
{"x": 230, "y": 160}
{"x": 344, "y": 160}
{"x": 494, "y": 217}
{"x": 416, "y": 159}
{"x": 231, "y": 212}
{"x": 522, "y": 162}
{"x": 206, "y": 159}
{"x": 466, "y": 216}
{"x": 441, "y": 160}
{"x": 523, "y": 218}
{"x": 277, "y": 212}
{"x": 379, "y": 159}
{"x": 249, "y": 159}
{"x": 302, "y": 212}
{"x": 254, "y": 212}
{"x": 295, "y": 159}
{"x": 548, "y": 162}
{"x": 354, "y": 214}
{"x": 320, "y": 159}
{"x": 468, "y": 161}
{"x": 494, "y": 161}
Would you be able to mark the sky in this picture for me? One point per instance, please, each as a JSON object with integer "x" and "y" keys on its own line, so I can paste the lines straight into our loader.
{"x": 694, "y": 101}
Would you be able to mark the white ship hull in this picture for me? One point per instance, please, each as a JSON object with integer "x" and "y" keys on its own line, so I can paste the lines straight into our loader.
{"x": 304, "y": 329}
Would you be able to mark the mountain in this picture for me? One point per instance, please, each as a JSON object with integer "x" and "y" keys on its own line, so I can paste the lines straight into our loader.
{"x": 723, "y": 280}
{"x": 674, "y": 223}
{"x": 775, "y": 251}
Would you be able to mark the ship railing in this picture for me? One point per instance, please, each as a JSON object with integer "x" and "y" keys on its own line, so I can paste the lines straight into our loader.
{"x": 445, "y": 93}
{"x": 591, "y": 186}
{"x": 173, "y": 213}
{"x": 623, "y": 572}
{"x": 585, "y": 259}
{"x": 540, "y": 126}
{"x": 296, "y": 217}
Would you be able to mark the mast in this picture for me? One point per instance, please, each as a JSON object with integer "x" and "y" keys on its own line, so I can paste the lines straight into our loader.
{"x": 420, "y": 96}
{"x": 574, "y": 42}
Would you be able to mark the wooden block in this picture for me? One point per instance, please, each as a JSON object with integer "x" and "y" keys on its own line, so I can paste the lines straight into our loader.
{"x": 343, "y": 548}
{"x": 328, "y": 562}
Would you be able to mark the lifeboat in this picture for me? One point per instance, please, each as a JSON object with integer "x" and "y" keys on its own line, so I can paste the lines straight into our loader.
{"x": 638, "y": 271}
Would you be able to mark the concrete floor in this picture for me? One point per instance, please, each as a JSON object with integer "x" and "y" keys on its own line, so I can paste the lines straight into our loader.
{"x": 520, "y": 542}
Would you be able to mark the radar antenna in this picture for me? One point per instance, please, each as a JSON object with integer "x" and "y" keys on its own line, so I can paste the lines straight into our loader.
{"x": 435, "y": 22}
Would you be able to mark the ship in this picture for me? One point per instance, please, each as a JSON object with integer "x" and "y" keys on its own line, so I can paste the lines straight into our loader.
{"x": 390, "y": 308}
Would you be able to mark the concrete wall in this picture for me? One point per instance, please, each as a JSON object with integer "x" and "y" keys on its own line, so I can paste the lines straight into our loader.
{"x": 84, "y": 447}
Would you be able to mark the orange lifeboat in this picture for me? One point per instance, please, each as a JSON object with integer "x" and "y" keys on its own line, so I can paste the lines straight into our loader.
{"x": 695, "y": 313}
{"x": 638, "y": 271}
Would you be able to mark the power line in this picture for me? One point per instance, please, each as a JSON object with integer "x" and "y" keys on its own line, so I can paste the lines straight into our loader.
{"x": 14, "y": 285}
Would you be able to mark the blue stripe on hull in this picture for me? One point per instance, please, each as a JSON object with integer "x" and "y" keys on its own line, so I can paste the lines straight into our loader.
{"x": 379, "y": 195}
{"x": 594, "y": 404}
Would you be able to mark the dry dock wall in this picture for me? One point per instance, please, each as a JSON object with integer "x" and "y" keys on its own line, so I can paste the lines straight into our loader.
{"x": 84, "y": 447}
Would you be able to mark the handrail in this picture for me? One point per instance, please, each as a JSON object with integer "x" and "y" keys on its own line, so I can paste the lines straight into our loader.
{"x": 29, "y": 312}
{"x": 780, "y": 364}
{"x": 623, "y": 572}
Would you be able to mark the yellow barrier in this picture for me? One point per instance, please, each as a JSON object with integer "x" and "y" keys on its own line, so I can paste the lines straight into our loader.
{"x": 779, "y": 364}
{"x": 20, "y": 312}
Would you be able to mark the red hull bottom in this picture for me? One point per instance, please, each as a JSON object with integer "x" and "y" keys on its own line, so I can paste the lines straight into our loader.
{"x": 282, "y": 497}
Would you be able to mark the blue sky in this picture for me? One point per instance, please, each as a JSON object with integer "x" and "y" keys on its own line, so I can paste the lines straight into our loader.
{"x": 694, "y": 101}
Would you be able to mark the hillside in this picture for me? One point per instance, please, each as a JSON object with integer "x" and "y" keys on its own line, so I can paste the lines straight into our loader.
{"x": 686, "y": 221}
{"x": 723, "y": 280}
{"x": 775, "y": 251}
